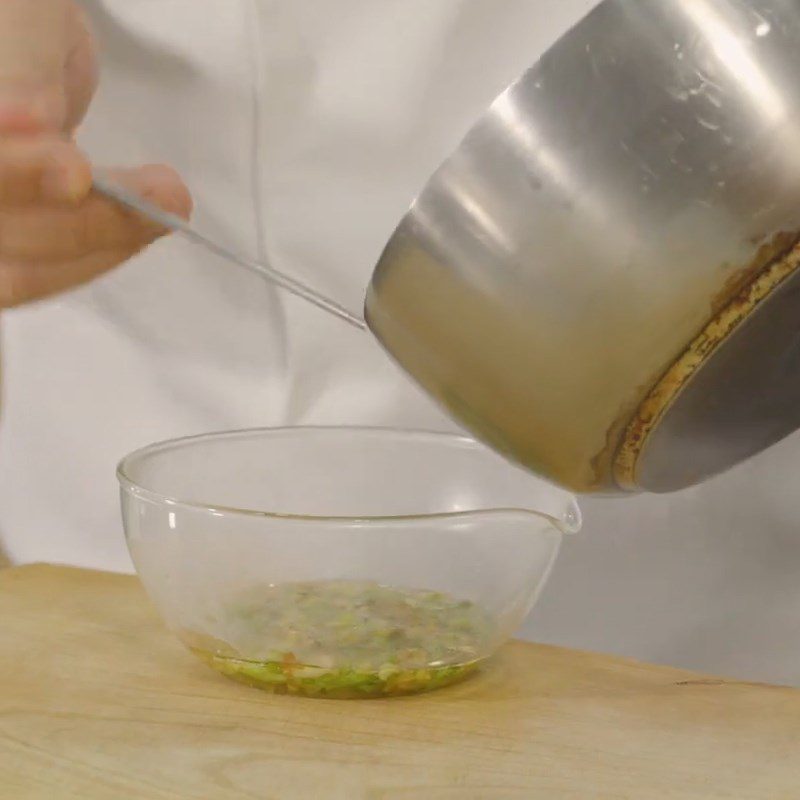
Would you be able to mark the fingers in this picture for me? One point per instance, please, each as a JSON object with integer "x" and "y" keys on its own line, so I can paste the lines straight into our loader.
{"x": 22, "y": 283}
{"x": 34, "y": 47}
{"x": 42, "y": 170}
{"x": 80, "y": 72}
{"x": 45, "y": 249}
{"x": 54, "y": 233}
{"x": 34, "y": 40}
{"x": 47, "y": 66}
{"x": 159, "y": 184}
{"x": 47, "y": 170}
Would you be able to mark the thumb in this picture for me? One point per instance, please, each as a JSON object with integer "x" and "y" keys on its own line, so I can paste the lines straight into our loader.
{"x": 158, "y": 184}
{"x": 36, "y": 41}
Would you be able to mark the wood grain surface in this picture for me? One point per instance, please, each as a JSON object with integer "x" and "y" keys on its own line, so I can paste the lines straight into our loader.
{"x": 97, "y": 700}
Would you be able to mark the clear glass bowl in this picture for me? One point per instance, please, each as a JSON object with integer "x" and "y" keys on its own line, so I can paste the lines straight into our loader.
{"x": 340, "y": 562}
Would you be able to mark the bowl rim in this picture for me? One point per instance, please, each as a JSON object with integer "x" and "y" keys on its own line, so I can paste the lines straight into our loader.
{"x": 568, "y": 525}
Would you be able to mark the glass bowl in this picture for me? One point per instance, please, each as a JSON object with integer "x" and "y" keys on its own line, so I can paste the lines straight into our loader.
{"x": 340, "y": 562}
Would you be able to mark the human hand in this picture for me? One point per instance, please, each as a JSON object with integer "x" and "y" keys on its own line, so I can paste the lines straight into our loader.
{"x": 55, "y": 233}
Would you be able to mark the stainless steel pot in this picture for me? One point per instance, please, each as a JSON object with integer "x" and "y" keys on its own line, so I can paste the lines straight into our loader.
{"x": 601, "y": 281}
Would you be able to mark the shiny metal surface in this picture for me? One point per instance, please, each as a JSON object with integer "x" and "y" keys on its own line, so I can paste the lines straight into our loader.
{"x": 742, "y": 400}
{"x": 591, "y": 223}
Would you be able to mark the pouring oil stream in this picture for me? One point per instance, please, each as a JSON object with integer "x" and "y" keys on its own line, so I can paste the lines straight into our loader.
{"x": 173, "y": 222}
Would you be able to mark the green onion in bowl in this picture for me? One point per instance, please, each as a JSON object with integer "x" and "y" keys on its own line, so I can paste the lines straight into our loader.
{"x": 347, "y": 639}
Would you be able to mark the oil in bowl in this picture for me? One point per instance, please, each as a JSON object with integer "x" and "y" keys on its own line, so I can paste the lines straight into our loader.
{"x": 346, "y": 639}
{"x": 340, "y": 562}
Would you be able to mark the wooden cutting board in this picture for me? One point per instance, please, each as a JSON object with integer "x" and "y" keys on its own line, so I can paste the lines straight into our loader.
{"x": 97, "y": 700}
